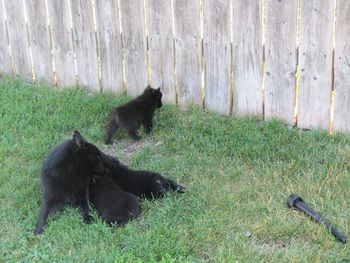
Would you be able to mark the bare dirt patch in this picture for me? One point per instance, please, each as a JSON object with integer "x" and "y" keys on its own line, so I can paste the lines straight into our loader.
{"x": 124, "y": 149}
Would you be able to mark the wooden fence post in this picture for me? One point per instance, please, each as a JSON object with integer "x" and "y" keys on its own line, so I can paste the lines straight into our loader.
{"x": 315, "y": 64}
{"x": 280, "y": 59}
{"x": 188, "y": 51}
{"x": 247, "y": 58}
{"x": 342, "y": 69}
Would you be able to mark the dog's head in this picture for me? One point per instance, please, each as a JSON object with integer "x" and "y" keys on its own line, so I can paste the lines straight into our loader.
{"x": 87, "y": 153}
{"x": 155, "y": 95}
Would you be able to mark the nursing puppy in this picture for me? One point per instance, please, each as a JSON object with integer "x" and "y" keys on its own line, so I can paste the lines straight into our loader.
{"x": 135, "y": 113}
{"x": 65, "y": 177}
{"x": 114, "y": 205}
{"x": 140, "y": 183}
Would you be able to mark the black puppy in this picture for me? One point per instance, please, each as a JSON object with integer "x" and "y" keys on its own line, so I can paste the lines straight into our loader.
{"x": 140, "y": 183}
{"x": 65, "y": 177}
{"x": 135, "y": 113}
{"x": 114, "y": 205}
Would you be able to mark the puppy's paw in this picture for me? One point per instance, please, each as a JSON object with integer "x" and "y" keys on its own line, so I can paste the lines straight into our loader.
{"x": 87, "y": 219}
{"x": 175, "y": 186}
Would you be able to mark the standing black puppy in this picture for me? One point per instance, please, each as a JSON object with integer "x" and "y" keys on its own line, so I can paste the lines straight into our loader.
{"x": 135, "y": 113}
{"x": 140, "y": 183}
{"x": 114, "y": 205}
{"x": 65, "y": 177}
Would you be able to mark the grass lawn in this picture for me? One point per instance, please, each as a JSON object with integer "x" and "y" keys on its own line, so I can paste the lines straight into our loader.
{"x": 238, "y": 173}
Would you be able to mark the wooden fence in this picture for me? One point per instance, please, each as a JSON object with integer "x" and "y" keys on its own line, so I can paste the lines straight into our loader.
{"x": 286, "y": 59}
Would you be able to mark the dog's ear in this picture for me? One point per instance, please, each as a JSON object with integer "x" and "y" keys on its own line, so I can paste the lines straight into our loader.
{"x": 148, "y": 87}
{"x": 156, "y": 92}
{"x": 78, "y": 140}
{"x": 77, "y": 133}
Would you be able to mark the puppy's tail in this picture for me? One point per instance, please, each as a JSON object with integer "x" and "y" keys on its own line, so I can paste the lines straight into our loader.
{"x": 111, "y": 127}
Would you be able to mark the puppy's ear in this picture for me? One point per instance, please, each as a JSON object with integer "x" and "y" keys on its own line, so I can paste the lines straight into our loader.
{"x": 156, "y": 92}
{"x": 78, "y": 140}
{"x": 148, "y": 87}
{"x": 77, "y": 133}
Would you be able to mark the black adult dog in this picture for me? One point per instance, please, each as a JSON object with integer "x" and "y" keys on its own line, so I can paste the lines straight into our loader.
{"x": 135, "y": 113}
{"x": 66, "y": 175}
{"x": 140, "y": 183}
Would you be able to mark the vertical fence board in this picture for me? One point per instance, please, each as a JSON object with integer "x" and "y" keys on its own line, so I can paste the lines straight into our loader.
{"x": 109, "y": 43}
{"x": 217, "y": 55}
{"x": 62, "y": 45}
{"x": 85, "y": 44}
{"x": 39, "y": 39}
{"x": 342, "y": 69}
{"x": 247, "y": 58}
{"x": 18, "y": 38}
{"x": 135, "y": 46}
{"x": 5, "y": 60}
{"x": 280, "y": 54}
{"x": 315, "y": 64}
{"x": 161, "y": 47}
{"x": 188, "y": 51}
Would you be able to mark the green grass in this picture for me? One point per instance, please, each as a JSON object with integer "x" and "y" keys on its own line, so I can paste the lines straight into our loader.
{"x": 238, "y": 173}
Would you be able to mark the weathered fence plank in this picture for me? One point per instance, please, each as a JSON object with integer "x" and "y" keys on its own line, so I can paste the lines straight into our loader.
{"x": 18, "y": 38}
{"x": 62, "y": 45}
{"x": 217, "y": 55}
{"x": 109, "y": 44}
{"x": 280, "y": 59}
{"x": 188, "y": 51}
{"x": 161, "y": 47}
{"x": 5, "y": 59}
{"x": 247, "y": 58}
{"x": 39, "y": 39}
{"x": 315, "y": 64}
{"x": 342, "y": 69}
{"x": 134, "y": 45}
{"x": 85, "y": 44}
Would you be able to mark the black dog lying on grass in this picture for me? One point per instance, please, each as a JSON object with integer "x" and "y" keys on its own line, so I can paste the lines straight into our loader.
{"x": 65, "y": 177}
{"x": 140, "y": 183}
{"x": 114, "y": 193}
